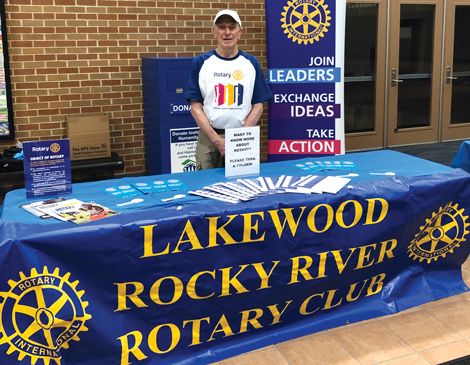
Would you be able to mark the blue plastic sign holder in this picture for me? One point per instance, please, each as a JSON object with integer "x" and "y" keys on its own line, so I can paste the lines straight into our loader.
{"x": 47, "y": 168}
{"x": 165, "y": 109}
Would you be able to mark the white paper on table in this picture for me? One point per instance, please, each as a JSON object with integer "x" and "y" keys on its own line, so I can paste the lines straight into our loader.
{"x": 239, "y": 187}
{"x": 301, "y": 190}
{"x": 300, "y": 180}
{"x": 274, "y": 184}
{"x": 286, "y": 181}
{"x": 250, "y": 185}
{"x": 208, "y": 194}
{"x": 262, "y": 181}
{"x": 279, "y": 181}
{"x": 270, "y": 182}
{"x": 309, "y": 182}
{"x": 331, "y": 184}
{"x": 229, "y": 193}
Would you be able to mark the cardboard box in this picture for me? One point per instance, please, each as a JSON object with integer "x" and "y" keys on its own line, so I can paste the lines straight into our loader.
{"x": 89, "y": 136}
{"x": 87, "y": 123}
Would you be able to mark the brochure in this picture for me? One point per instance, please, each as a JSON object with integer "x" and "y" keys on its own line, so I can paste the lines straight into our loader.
{"x": 33, "y": 207}
{"x": 176, "y": 184}
{"x": 143, "y": 187}
{"x": 47, "y": 206}
{"x": 214, "y": 195}
{"x": 326, "y": 165}
{"x": 228, "y": 192}
{"x": 76, "y": 211}
{"x": 159, "y": 186}
{"x": 123, "y": 191}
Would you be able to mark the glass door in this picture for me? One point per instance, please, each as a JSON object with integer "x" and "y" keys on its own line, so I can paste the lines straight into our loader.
{"x": 415, "y": 53}
{"x": 456, "y": 78}
{"x": 364, "y": 74}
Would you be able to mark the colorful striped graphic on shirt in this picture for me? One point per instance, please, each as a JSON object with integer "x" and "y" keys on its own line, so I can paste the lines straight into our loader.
{"x": 231, "y": 94}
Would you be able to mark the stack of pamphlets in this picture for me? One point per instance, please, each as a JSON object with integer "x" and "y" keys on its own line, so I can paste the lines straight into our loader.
{"x": 326, "y": 165}
{"x": 71, "y": 210}
{"x": 145, "y": 187}
{"x": 248, "y": 189}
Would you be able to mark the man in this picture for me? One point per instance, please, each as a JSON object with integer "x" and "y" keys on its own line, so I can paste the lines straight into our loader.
{"x": 226, "y": 89}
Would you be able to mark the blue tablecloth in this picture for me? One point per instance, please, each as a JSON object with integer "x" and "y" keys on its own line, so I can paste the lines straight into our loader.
{"x": 210, "y": 280}
{"x": 367, "y": 163}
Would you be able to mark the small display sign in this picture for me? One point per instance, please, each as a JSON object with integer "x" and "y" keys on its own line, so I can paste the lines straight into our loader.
{"x": 183, "y": 143}
{"x": 242, "y": 151}
{"x": 180, "y": 108}
{"x": 47, "y": 168}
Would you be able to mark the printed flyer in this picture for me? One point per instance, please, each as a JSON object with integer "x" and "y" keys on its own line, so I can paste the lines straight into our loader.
{"x": 47, "y": 168}
{"x": 72, "y": 210}
{"x": 183, "y": 149}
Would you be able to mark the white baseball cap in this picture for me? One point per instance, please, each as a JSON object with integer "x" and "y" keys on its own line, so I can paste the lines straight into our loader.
{"x": 230, "y": 13}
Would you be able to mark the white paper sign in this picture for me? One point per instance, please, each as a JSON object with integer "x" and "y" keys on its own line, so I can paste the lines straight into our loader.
{"x": 242, "y": 150}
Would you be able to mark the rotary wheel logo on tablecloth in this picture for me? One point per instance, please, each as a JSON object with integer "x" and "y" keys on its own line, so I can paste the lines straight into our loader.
{"x": 41, "y": 314}
{"x": 440, "y": 235}
{"x": 305, "y": 20}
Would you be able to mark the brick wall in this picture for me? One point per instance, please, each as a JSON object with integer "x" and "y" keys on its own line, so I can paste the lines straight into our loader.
{"x": 80, "y": 56}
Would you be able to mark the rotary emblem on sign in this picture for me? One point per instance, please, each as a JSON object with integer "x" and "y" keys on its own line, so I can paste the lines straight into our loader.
{"x": 305, "y": 20}
{"x": 440, "y": 235}
{"x": 41, "y": 314}
{"x": 55, "y": 147}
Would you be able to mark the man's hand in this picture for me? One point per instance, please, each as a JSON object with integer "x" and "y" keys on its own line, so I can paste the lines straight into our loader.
{"x": 219, "y": 142}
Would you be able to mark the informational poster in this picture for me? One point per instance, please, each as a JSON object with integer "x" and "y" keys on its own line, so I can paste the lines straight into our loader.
{"x": 47, "y": 168}
{"x": 305, "y": 49}
{"x": 183, "y": 143}
{"x": 242, "y": 151}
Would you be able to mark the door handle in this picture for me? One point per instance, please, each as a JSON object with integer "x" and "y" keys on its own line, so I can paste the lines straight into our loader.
{"x": 449, "y": 78}
{"x": 394, "y": 77}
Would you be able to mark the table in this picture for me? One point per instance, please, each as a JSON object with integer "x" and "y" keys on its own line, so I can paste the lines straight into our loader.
{"x": 462, "y": 158}
{"x": 196, "y": 280}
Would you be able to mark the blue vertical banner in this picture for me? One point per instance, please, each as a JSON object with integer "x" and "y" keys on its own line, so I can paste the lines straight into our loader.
{"x": 305, "y": 49}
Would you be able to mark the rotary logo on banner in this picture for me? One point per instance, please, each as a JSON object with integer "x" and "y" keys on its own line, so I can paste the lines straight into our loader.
{"x": 306, "y": 21}
{"x": 305, "y": 42}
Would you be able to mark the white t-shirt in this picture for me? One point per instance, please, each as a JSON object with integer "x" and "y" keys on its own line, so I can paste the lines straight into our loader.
{"x": 227, "y": 87}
